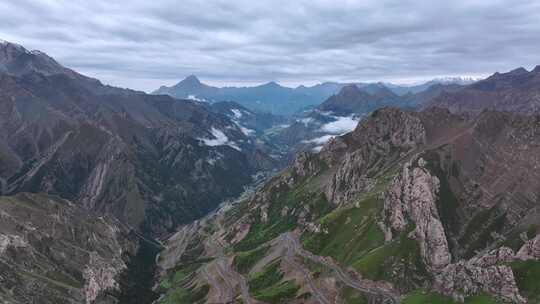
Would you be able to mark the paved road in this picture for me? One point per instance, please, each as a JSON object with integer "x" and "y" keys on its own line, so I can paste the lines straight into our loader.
{"x": 213, "y": 282}
{"x": 365, "y": 286}
{"x": 289, "y": 258}
{"x": 177, "y": 246}
{"x": 224, "y": 270}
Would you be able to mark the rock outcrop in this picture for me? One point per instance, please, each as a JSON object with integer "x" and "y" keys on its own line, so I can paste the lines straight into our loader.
{"x": 530, "y": 250}
{"x": 411, "y": 202}
{"x": 375, "y": 144}
{"x": 485, "y": 273}
{"x": 101, "y": 275}
{"x": 306, "y": 164}
{"x": 52, "y": 251}
{"x": 463, "y": 279}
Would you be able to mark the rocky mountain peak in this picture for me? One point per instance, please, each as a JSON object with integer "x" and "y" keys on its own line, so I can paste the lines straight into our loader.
{"x": 190, "y": 81}
{"x": 9, "y": 50}
{"x": 350, "y": 90}
{"x": 7, "y": 44}
{"x": 271, "y": 85}
{"x": 383, "y": 92}
{"x": 518, "y": 71}
{"x": 17, "y": 60}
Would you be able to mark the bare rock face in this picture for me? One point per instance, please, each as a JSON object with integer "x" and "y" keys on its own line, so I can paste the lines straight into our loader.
{"x": 13, "y": 241}
{"x": 493, "y": 257}
{"x": 530, "y": 250}
{"x": 349, "y": 180}
{"x": 377, "y": 142}
{"x": 483, "y": 273}
{"x": 100, "y": 275}
{"x": 333, "y": 150}
{"x": 306, "y": 164}
{"x": 465, "y": 278}
{"x": 411, "y": 199}
{"x": 52, "y": 251}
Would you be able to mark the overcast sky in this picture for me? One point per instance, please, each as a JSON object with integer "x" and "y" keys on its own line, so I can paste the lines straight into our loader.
{"x": 144, "y": 44}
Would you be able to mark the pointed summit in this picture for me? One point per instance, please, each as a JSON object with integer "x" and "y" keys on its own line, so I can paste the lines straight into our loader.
{"x": 188, "y": 84}
{"x": 189, "y": 87}
{"x": 191, "y": 80}
{"x": 350, "y": 90}
{"x": 271, "y": 84}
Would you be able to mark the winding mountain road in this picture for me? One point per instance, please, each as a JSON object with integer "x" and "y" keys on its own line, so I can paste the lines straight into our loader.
{"x": 289, "y": 259}
{"x": 388, "y": 295}
{"x": 229, "y": 277}
{"x": 176, "y": 246}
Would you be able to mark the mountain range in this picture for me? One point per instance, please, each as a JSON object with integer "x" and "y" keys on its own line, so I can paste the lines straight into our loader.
{"x": 274, "y": 98}
{"x": 149, "y": 161}
{"x": 361, "y": 193}
{"x": 340, "y": 113}
{"x": 434, "y": 203}
{"x": 410, "y": 207}
{"x": 514, "y": 91}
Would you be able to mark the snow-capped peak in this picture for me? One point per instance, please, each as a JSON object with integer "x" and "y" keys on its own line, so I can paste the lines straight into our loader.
{"x": 456, "y": 79}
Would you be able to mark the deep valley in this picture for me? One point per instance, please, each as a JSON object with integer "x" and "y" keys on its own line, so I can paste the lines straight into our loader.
{"x": 360, "y": 192}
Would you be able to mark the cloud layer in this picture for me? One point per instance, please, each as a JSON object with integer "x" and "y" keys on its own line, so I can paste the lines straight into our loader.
{"x": 342, "y": 125}
{"x": 143, "y": 44}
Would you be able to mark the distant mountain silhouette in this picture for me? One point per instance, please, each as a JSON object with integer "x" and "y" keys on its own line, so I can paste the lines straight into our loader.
{"x": 277, "y": 99}
{"x": 514, "y": 91}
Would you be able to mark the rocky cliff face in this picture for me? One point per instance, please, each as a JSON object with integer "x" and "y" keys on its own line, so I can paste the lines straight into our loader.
{"x": 479, "y": 276}
{"x": 412, "y": 197}
{"x": 52, "y": 251}
{"x": 372, "y": 147}
{"x": 447, "y": 191}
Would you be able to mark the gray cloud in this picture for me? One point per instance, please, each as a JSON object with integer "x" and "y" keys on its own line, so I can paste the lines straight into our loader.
{"x": 143, "y": 44}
